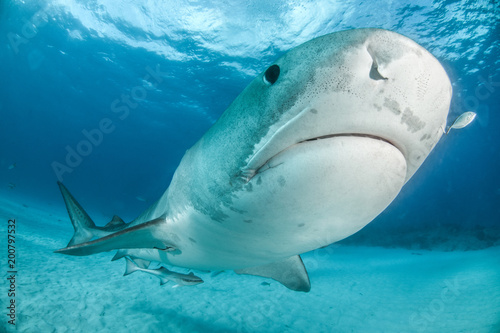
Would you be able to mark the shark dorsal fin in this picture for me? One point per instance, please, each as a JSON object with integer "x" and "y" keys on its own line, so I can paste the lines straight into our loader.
{"x": 116, "y": 221}
{"x": 289, "y": 272}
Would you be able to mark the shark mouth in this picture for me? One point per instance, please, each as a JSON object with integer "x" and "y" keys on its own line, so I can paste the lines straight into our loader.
{"x": 254, "y": 168}
{"x": 284, "y": 138}
{"x": 349, "y": 134}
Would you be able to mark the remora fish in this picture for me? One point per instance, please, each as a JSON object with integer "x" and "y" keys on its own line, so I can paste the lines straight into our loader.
{"x": 164, "y": 275}
{"x": 309, "y": 153}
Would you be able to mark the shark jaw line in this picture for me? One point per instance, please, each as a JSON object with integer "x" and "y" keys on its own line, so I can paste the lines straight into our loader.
{"x": 247, "y": 174}
{"x": 350, "y": 134}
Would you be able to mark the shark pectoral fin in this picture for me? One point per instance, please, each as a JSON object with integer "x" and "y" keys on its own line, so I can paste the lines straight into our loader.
{"x": 289, "y": 272}
{"x": 139, "y": 236}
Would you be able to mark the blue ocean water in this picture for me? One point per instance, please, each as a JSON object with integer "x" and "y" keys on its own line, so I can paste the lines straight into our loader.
{"x": 153, "y": 76}
{"x": 68, "y": 65}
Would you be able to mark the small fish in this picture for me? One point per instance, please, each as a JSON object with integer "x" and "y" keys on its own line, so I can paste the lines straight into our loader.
{"x": 11, "y": 185}
{"x": 463, "y": 120}
{"x": 12, "y": 166}
{"x": 140, "y": 198}
{"x": 165, "y": 275}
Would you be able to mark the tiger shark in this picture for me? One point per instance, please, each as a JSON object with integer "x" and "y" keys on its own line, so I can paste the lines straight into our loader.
{"x": 311, "y": 151}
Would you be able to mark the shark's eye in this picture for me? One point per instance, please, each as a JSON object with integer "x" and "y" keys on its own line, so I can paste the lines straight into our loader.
{"x": 271, "y": 75}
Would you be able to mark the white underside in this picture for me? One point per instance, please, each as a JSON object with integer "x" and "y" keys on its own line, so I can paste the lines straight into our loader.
{"x": 308, "y": 196}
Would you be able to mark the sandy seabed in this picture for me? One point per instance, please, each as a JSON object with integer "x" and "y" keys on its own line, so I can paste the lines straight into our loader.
{"x": 354, "y": 289}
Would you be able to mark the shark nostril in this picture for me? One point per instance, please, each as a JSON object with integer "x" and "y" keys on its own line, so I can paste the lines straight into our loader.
{"x": 374, "y": 73}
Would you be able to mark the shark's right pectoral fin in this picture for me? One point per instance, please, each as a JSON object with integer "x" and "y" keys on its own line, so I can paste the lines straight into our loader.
{"x": 140, "y": 236}
{"x": 289, "y": 272}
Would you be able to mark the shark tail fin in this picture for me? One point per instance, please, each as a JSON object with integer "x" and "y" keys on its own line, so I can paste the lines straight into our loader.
{"x": 131, "y": 267}
{"x": 82, "y": 223}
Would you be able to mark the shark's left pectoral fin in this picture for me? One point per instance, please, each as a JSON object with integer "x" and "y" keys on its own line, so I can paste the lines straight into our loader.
{"x": 140, "y": 236}
{"x": 289, "y": 272}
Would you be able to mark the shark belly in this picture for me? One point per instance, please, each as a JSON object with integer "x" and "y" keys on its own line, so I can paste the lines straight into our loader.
{"x": 308, "y": 196}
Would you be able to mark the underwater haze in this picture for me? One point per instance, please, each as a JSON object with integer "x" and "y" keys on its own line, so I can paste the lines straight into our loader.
{"x": 107, "y": 96}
